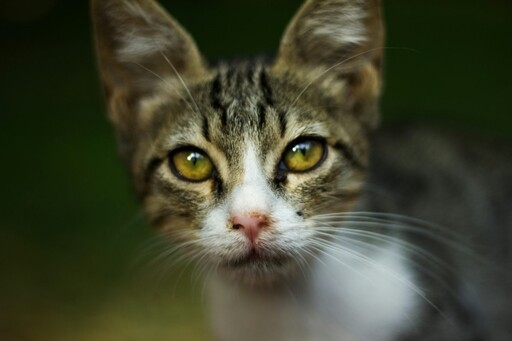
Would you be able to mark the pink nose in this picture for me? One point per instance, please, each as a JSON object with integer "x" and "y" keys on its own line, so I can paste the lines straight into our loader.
{"x": 250, "y": 225}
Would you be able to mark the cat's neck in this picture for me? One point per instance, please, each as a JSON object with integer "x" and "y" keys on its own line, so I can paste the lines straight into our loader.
{"x": 343, "y": 292}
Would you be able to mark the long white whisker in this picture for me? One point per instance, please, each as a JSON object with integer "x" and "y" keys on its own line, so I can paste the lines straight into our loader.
{"x": 366, "y": 260}
{"x": 352, "y": 239}
{"x": 169, "y": 85}
{"x": 181, "y": 80}
{"x": 408, "y": 246}
{"x": 341, "y": 62}
{"x": 403, "y": 223}
{"x": 320, "y": 247}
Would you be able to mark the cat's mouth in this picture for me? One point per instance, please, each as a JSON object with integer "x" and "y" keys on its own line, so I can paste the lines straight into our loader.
{"x": 258, "y": 268}
{"x": 255, "y": 258}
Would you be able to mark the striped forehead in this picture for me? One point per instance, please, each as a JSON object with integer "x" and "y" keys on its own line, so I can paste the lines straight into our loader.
{"x": 240, "y": 83}
{"x": 242, "y": 100}
{"x": 241, "y": 96}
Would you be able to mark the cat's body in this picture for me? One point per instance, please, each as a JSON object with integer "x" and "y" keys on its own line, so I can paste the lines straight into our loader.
{"x": 263, "y": 173}
{"x": 461, "y": 183}
{"x": 442, "y": 177}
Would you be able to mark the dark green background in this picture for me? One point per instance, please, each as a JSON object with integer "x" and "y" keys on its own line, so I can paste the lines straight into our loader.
{"x": 71, "y": 231}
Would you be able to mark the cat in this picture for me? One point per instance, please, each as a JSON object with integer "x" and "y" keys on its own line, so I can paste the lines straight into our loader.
{"x": 312, "y": 224}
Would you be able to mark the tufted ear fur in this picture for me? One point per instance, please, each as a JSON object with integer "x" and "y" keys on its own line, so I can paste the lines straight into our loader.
{"x": 139, "y": 48}
{"x": 339, "y": 40}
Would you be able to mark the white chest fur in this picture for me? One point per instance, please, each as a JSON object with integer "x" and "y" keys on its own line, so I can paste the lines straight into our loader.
{"x": 344, "y": 298}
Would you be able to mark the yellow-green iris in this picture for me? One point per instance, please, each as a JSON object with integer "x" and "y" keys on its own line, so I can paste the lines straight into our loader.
{"x": 304, "y": 155}
{"x": 192, "y": 164}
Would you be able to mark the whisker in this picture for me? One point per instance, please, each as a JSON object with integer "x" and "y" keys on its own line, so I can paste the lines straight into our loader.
{"x": 408, "y": 246}
{"x": 333, "y": 247}
{"x": 166, "y": 82}
{"x": 321, "y": 249}
{"x": 449, "y": 240}
{"x": 341, "y": 62}
{"x": 132, "y": 222}
{"x": 181, "y": 80}
{"x": 426, "y": 256}
{"x": 401, "y": 223}
{"x": 199, "y": 267}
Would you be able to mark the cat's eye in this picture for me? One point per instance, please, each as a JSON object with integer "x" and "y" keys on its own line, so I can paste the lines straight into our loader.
{"x": 304, "y": 155}
{"x": 191, "y": 164}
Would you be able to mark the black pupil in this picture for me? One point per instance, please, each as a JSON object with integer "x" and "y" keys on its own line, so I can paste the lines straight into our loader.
{"x": 194, "y": 158}
{"x": 302, "y": 147}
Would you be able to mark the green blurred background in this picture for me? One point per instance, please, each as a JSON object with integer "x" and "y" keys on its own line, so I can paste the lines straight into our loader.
{"x": 71, "y": 232}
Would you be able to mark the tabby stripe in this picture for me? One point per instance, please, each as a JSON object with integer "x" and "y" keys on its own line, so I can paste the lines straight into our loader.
{"x": 265, "y": 88}
{"x": 217, "y": 185}
{"x": 224, "y": 117}
{"x": 160, "y": 218}
{"x": 261, "y": 115}
{"x": 282, "y": 122}
{"x": 348, "y": 196}
{"x": 240, "y": 78}
{"x": 348, "y": 154}
{"x": 206, "y": 129}
{"x": 151, "y": 167}
{"x": 215, "y": 99}
{"x": 229, "y": 77}
{"x": 250, "y": 73}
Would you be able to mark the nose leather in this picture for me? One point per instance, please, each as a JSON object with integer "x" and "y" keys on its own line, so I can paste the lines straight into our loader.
{"x": 250, "y": 225}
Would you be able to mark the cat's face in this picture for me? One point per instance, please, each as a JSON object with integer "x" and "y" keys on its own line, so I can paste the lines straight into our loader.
{"x": 235, "y": 161}
{"x": 243, "y": 170}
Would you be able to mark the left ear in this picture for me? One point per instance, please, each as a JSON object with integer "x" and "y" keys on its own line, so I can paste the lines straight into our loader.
{"x": 140, "y": 47}
{"x": 339, "y": 40}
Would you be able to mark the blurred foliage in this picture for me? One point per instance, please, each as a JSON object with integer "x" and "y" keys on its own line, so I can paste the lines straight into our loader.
{"x": 70, "y": 227}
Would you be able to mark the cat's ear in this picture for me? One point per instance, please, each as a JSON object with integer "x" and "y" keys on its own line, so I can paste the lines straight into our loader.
{"x": 139, "y": 46}
{"x": 338, "y": 40}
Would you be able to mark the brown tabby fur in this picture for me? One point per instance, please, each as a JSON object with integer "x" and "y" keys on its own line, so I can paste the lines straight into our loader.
{"x": 147, "y": 101}
{"x": 325, "y": 82}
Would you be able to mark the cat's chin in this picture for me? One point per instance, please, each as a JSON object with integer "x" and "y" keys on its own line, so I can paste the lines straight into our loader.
{"x": 259, "y": 270}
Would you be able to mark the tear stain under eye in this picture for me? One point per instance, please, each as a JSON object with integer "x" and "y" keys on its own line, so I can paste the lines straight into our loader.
{"x": 280, "y": 174}
{"x": 280, "y": 177}
{"x": 217, "y": 185}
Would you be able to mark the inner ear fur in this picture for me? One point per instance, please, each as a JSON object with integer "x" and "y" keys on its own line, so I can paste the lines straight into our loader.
{"x": 138, "y": 44}
{"x": 339, "y": 40}
{"x": 140, "y": 49}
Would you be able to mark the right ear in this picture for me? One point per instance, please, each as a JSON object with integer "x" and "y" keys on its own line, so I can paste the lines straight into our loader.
{"x": 339, "y": 41}
{"x": 139, "y": 46}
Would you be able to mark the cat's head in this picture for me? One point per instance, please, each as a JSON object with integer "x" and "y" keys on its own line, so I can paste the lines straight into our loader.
{"x": 236, "y": 160}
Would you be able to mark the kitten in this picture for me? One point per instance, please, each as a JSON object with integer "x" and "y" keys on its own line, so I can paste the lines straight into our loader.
{"x": 263, "y": 171}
